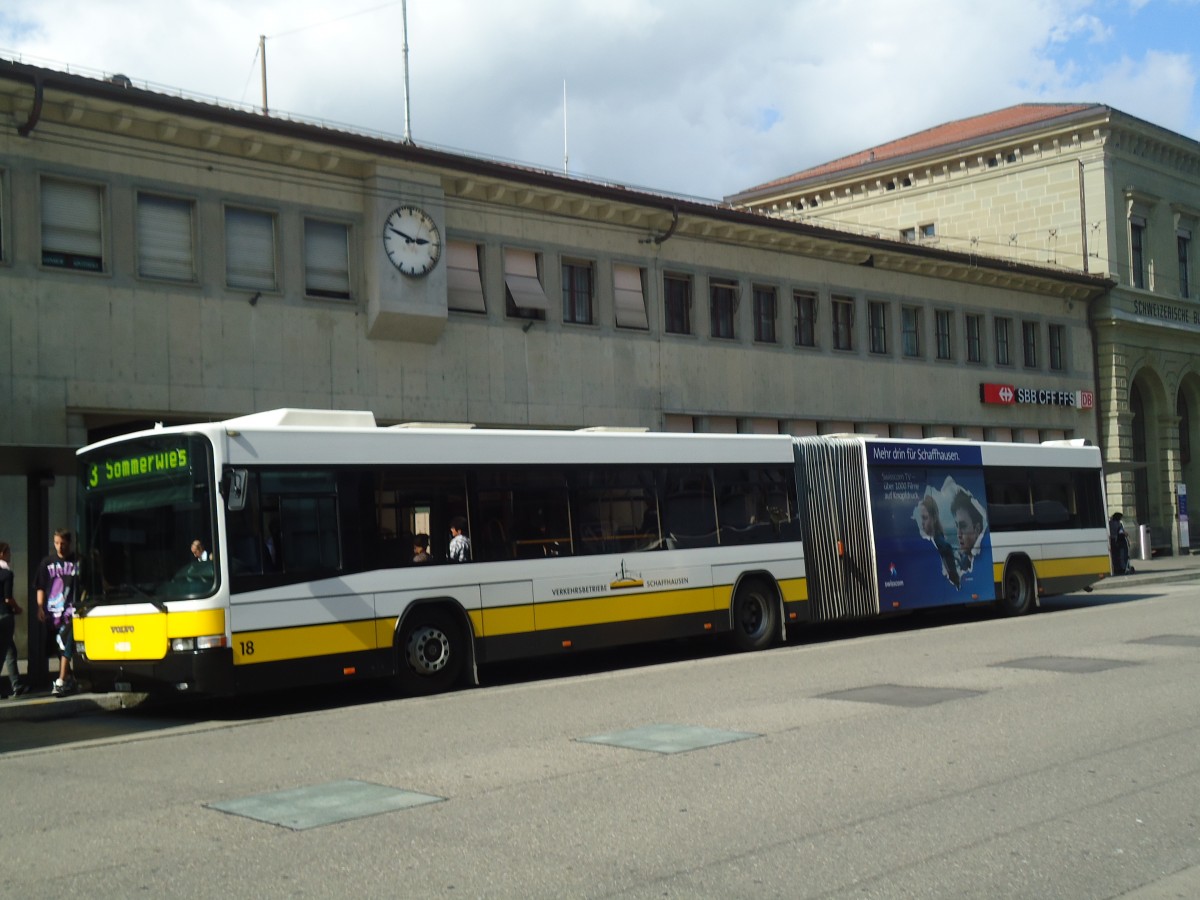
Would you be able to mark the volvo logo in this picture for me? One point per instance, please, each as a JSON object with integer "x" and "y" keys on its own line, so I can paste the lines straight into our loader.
{"x": 122, "y": 629}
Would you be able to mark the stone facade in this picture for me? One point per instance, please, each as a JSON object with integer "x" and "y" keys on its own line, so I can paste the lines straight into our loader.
{"x": 1085, "y": 188}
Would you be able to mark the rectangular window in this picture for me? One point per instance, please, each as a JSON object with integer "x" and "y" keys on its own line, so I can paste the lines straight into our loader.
{"x": 908, "y": 235}
{"x": 677, "y": 294}
{"x": 1002, "y": 328}
{"x": 1183, "y": 249}
{"x": 1137, "y": 251}
{"x": 942, "y": 321}
{"x": 1029, "y": 332}
{"x": 326, "y": 259}
{"x": 464, "y": 284}
{"x": 877, "y": 326}
{"x": 974, "y": 338}
{"x": 524, "y": 297}
{"x": 928, "y": 231}
{"x": 249, "y": 249}
{"x": 1057, "y": 336}
{"x": 629, "y": 297}
{"x": 843, "y": 322}
{"x": 577, "y": 282}
{"x": 164, "y": 238}
{"x": 806, "y": 318}
{"x": 764, "y": 314}
{"x": 722, "y": 297}
{"x": 910, "y": 331}
{"x": 72, "y": 226}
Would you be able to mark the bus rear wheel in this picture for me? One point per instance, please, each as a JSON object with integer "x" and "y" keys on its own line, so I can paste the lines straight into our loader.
{"x": 755, "y": 616}
{"x": 1017, "y": 587}
{"x": 431, "y": 650}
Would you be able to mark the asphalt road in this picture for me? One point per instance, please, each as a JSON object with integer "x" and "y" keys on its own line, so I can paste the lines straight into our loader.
{"x": 947, "y": 756}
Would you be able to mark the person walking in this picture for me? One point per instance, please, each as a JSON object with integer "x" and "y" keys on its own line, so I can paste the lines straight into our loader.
{"x": 55, "y": 583}
{"x": 9, "y": 610}
{"x": 1118, "y": 545}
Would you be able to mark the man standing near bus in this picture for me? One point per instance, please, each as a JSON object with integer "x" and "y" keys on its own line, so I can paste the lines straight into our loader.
{"x": 55, "y": 583}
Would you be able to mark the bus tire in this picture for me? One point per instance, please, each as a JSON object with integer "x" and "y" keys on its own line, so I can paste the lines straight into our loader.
{"x": 431, "y": 651}
{"x": 1017, "y": 589}
{"x": 755, "y": 615}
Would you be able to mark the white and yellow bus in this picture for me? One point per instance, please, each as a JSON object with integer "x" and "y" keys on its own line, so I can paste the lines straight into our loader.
{"x": 285, "y": 548}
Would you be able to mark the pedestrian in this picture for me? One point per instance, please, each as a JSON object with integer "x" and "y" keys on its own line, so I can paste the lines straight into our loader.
{"x": 55, "y": 583}
{"x": 1118, "y": 545}
{"x": 9, "y": 610}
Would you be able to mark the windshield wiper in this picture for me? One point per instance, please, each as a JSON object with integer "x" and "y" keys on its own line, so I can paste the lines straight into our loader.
{"x": 134, "y": 589}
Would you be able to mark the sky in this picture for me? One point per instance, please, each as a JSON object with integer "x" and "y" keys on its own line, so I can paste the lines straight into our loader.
{"x": 689, "y": 97}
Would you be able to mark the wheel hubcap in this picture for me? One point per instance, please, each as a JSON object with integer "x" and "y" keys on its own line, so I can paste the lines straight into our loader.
{"x": 428, "y": 650}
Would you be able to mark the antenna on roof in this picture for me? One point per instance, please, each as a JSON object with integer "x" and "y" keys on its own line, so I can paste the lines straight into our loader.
{"x": 407, "y": 120}
{"x": 262, "y": 55}
{"x": 566, "y": 171}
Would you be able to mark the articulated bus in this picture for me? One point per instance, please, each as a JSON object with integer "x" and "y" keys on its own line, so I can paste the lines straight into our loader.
{"x": 300, "y": 547}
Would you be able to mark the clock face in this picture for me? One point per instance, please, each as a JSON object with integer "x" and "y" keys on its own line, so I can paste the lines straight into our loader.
{"x": 412, "y": 240}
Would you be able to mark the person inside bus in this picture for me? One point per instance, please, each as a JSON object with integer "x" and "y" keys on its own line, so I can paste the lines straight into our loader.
{"x": 198, "y": 551}
{"x": 969, "y": 521}
{"x": 460, "y": 544}
{"x": 420, "y": 548}
{"x": 273, "y": 560}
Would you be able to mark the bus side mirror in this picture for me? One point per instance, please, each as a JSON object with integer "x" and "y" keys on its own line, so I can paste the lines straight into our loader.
{"x": 235, "y": 489}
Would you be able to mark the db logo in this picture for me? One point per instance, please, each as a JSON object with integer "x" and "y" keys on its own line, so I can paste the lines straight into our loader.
{"x": 1086, "y": 400}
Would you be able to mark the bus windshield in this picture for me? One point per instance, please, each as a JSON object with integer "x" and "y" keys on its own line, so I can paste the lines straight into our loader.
{"x": 146, "y": 521}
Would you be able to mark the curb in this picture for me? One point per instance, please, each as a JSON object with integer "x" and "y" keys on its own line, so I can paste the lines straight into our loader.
{"x": 42, "y": 707}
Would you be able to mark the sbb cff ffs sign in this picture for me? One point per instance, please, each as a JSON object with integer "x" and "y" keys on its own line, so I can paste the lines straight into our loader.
{"x": 1009, "y": 395}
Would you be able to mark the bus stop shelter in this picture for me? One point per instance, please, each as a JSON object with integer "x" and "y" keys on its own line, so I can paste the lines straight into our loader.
{"x": 41, "y": 465}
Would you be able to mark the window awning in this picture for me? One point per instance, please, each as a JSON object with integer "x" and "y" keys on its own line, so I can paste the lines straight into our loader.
{"x": 629, "y": 299}
{"x": 521, "y": 278}
{"x": 462, "y": 275}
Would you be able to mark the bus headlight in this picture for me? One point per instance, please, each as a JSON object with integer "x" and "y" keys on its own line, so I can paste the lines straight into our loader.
{"x": 204, "y": 642}
{"x": 80, "y": 648}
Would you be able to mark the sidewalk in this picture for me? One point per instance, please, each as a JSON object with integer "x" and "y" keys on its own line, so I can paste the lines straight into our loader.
{"x": 41, "y": 705}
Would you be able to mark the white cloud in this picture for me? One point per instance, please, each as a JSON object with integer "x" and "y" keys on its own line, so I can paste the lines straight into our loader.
{"x": 693, "y": 96}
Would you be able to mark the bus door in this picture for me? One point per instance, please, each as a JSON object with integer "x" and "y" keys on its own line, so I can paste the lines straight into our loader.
{"x": 835, "y": 517}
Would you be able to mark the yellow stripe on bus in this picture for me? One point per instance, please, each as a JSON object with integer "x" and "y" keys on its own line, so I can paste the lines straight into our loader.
{"x": 794, "y": 590}
{"x": 1064, "y": 567}
{"x": 623, "y": 608}
{"x": 316, "y": 640}
{"x": 297, "y": 643}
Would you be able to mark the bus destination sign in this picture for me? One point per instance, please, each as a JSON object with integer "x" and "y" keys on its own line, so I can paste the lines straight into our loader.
{"x": 147, "y": 465}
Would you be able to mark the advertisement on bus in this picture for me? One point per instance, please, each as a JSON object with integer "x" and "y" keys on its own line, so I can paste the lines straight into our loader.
{"x": 929, "y": 510}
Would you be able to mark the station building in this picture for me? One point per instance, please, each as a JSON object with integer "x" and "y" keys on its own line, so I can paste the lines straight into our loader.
{"x": 1081, "y": 187}
{"x": 168, "y": 259}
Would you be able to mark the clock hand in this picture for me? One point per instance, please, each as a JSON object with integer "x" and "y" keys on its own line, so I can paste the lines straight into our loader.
{"x": 409, "y": 239}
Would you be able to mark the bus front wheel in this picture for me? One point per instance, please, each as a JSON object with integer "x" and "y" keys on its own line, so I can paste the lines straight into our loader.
{"x": 431, "y": 650}
{"x": 755, "y": 616}
{"x": 1018, "y": 588}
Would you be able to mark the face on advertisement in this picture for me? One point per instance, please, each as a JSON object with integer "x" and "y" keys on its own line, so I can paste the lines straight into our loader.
{"x": 929, "y": 517}
{"x": 968, "y": 529}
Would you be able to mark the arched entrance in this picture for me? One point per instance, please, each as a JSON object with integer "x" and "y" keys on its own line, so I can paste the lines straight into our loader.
{"x": 1187, "y": 408}
{"x": 1149, "y": 444}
